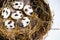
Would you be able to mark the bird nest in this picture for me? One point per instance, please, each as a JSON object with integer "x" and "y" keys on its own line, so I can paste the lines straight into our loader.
{"x": 31, "y": 22}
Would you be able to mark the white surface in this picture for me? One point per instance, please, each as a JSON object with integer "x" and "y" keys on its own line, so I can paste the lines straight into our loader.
{"x": 55, "y": 7}
{"x": 53, "y": 35}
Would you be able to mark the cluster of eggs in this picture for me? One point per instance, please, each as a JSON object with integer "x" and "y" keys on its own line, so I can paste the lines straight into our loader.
{"x": 6, "y": 12}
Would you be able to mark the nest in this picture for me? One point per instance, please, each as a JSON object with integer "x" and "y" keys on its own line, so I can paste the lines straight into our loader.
{"x": 40, "y": 22}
